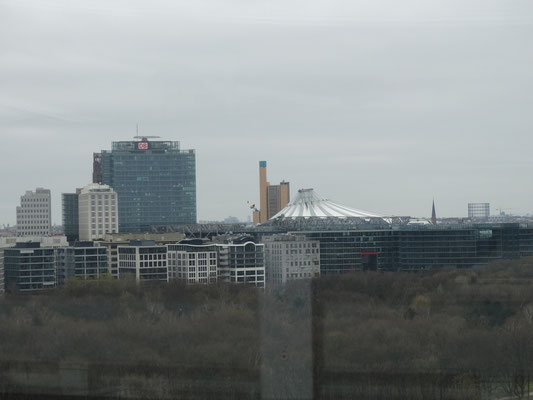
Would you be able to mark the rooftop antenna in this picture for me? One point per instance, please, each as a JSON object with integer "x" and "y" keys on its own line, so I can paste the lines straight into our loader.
{"x": 143, "y": 137}
{"x": 146, "y": 137}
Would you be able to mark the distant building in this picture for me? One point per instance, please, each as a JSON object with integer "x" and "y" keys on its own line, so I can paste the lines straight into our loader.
{"x": 272, "y": 198}
{"x": 70, "y": 217}
{"x": 433, "y": 214}
{"x": 44, "y": 241}
{"x": 35, "y": 263}
{"x": 98, "y": 212}
{"x": 478, "y": 210}
{"x": 155, "y": 182}
{"x": 291, "y": 257}
{"x": 241, "y": 263}
{"x": 34, "y": 215}
{"x": 192, "y": 264}
{"x": 53, "y": 242}
{"x": 4, "y": 243}
{"x": 27, "y": 266}
{"x": 82, "y": 260}
{"x": 144, "y": 260}
{"x": 97, "y": 168}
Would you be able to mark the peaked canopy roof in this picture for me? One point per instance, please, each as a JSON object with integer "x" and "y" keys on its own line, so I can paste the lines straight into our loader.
{"x": 308, "y": 204}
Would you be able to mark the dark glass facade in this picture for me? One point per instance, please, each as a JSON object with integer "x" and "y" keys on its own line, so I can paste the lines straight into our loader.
{"x": 155, "y": 182}
{"x": 421, "y": 248}
{"x": 345, "y": 251}
{"x": 83, "y": 261}
{"x": 29, "y": 267}
{"x": 242, "y": 263}
{"x": 526, "y": 240}
{"x": 70, "y": 216}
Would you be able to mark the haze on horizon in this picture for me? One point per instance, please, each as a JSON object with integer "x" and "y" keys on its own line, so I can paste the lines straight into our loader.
{"x": 378, "y": 105}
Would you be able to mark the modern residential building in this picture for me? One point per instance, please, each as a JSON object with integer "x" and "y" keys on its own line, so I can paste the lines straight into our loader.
{"x": 32, "y": 262}
{"x": 82, "y": 260}
{"x": 155, "y": 182}
{"x": 291, "y": 257}
{"x": 241, "y": 263}
{"x": 34, "y": 215}
{"x": 2, "y": 283}
{"x": 111, "y": 242}
{"x": 97, "y": 211}
{"x": 5, "y": 242}
{"x": 70, "y": 214}
{"x": 272, "y": 198}
{"x": 144, "y": 260}
{"x": 478, "y": 210}
{"x": 192, "y": 263}
{"x": 27, "y": 266}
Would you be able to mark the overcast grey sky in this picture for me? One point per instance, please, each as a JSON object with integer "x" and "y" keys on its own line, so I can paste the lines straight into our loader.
{"x": 378, "y": 104}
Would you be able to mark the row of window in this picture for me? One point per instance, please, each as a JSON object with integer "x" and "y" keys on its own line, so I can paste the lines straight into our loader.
{"x": 34, "y": 200}
{"x": 33, "y": 210}
{"x": 95, "y": 232}
{"x": 145, "y": 264}
{"x": 152, "y": 256}
{"x": 294, "y": 245}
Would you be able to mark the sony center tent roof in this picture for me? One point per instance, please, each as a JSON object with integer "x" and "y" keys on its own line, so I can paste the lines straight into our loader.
{"x": 307, "y": 204}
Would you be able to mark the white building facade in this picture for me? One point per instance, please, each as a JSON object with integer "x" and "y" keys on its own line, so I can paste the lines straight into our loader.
{"x": 34, "y": 215}
{"x": 98, "y": 212}
{"x": 144, "y": 260}
{"x": 192, "y": 264}
{"x": 290, "y": 257}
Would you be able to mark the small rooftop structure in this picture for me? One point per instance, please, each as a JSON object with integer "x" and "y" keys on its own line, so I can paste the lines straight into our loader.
{"x": 96, "y": 187}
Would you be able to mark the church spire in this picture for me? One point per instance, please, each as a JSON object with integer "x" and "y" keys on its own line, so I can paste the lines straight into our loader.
{"x": 433, "y": 214}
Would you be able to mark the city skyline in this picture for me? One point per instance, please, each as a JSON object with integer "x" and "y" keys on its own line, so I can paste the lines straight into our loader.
{"x": 379, "y": 106}
{"x": 247, "y": 212}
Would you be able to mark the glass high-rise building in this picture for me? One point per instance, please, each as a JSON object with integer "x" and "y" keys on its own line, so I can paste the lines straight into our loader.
{"x": 155, "y": 182}
{"x": 70, "y": 216}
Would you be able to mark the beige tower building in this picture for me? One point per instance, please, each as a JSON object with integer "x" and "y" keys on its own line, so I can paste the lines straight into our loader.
{"x": 34, "y": 215}
{"x": 97, "y": 212}
{"x": 272, "y": 198}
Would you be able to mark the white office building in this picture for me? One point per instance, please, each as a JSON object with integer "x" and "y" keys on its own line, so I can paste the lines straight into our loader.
{"x": 98, "y": 212}
{"x": 34, "y": 215}
{"x": 290, "y": 257}
{"x": 192, "y": 263}
{"x": 144, "y": 260}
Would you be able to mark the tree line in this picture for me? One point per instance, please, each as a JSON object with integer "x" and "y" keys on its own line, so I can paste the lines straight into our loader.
{"x": 444, "y": 334}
